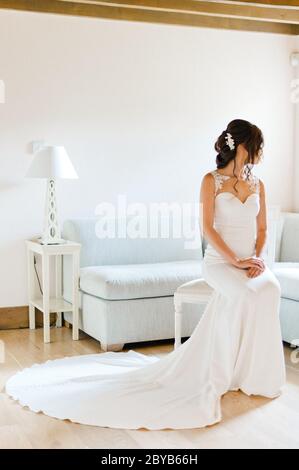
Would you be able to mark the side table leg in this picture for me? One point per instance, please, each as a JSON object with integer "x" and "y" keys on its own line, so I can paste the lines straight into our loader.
{"x": 58, "y": 288}
{"x": 31, "y": 317}
{"x": 46, "y": 298}
{"x": 30, "y": 267}
{"x": 75, "y": 300}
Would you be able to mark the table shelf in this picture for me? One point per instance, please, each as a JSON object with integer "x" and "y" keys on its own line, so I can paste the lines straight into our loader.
{"x": 55, "y": 305}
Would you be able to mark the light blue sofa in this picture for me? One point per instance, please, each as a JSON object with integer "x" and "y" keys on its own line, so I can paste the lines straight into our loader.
{"x": 286, "y": 269}
{"x": 127, "y": 285}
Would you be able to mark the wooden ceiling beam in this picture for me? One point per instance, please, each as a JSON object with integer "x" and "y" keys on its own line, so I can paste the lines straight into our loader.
{"x": 147, "y": 11}
{"x": 230, "y": 10}
{"x": 273, "y": 3}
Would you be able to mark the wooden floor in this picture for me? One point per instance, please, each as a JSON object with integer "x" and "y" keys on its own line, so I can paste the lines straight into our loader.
{"x": 248, "y": 422}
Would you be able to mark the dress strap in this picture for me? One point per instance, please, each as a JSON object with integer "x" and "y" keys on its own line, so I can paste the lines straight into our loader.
{"x": 219, "y": 180}
{"x": 253, "y": 181}
{"x": 254, "y": 184}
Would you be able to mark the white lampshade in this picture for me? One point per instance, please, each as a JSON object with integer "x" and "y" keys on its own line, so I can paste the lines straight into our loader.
{"x": 52, "y": 162}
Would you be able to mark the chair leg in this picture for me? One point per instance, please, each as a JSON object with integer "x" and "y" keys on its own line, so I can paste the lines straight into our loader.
{"x": 178, "y": 323}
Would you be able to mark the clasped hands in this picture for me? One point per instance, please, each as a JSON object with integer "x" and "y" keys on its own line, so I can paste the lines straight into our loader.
{"x": 254, "y": 265}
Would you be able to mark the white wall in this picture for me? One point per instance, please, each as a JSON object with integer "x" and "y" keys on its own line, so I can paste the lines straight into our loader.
{"x": 138, "y": 107}
{"x": 296, "y": 132}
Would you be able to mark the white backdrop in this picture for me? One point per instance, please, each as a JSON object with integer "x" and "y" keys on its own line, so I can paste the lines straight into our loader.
{"x": 138, "y": 107}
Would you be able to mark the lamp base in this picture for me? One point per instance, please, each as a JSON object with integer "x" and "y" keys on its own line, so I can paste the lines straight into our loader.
{"x": 51, "y": 233}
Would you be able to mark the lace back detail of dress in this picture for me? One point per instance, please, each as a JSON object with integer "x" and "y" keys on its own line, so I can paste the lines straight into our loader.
{"x": 253, "y": 182}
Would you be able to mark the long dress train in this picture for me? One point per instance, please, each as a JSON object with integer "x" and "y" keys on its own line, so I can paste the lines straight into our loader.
{"x": 237, "y": 344}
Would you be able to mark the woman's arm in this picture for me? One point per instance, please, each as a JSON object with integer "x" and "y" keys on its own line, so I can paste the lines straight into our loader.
{"x": 261, "y": 223}
{"x": 261, "y": 232}
{"x": 207, "y": 199}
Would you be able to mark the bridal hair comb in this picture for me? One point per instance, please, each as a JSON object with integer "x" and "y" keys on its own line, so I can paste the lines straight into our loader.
{"x": 230, "y": 141}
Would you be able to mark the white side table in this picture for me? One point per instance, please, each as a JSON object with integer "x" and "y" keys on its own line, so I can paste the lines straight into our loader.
{"x": 43, "y": 301}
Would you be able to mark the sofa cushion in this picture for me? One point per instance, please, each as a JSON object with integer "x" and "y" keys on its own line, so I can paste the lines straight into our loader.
{"x": 288, "y": 276}
{"x": 135, "y": 281}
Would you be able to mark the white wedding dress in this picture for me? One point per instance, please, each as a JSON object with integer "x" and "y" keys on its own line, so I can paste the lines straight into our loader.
{"x": 237, "y": 344}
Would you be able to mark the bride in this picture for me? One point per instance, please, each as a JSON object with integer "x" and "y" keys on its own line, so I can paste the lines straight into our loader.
{"x": 236, "y": 345}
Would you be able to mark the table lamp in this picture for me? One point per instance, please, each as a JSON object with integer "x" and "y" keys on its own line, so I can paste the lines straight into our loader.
{"x": 51, "y": 163}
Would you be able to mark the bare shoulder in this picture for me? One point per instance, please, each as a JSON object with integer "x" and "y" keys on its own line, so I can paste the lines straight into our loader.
{"x": 261, "y": 182}
{"x": 207, "y": 186}
{"x": 208, "y": 179}
{"x": 261, "y": 185}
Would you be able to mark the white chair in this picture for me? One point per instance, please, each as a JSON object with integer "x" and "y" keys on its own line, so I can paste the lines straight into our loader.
{"x": 199, "y": 292}
{"x": 194, "y": 292}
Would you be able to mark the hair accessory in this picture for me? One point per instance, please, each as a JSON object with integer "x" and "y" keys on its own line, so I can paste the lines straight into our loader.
{"x": 230, "y": 141}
